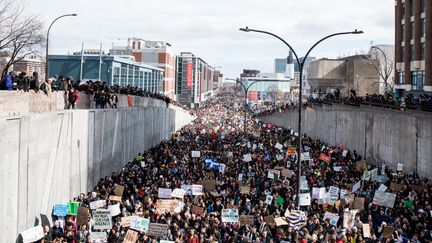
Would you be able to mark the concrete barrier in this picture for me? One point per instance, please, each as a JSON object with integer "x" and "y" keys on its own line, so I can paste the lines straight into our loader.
{"x": 49, "y": 158}
{"x": 379, "y": 135}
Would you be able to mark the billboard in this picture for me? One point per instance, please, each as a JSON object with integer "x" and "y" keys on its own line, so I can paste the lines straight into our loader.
{"x": 189, "y": 75}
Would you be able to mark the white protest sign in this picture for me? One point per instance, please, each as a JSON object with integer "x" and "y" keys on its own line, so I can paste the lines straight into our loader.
{"x": 303, "y": 183}
{"x": 279, "y": 157}
{"x": 305, "y": 199}
{"x": 247, "y": 158}
{"x": 273, "y": 174}
{"x": 343, "y": 193}
{"x": 114, "y": 209}
{"x": 279, "y": 146}
{"x": 97, "y": 204}
{"x": 334, "y": 194}
{"x": 385, "y": 199}
{"x": 178, "y": 193}
{"x": 344, "y": 153}
{"x": 356, "y": 187}
{"x": 337, "y": 168}
{"x": 230, "y": 215}
{"x": 305, "y": 156}
{"x": 33, "y": 234}
{"x": 196, "y": 154}
{"x": 382, "y": 188}
{"x": 374, "y": 174}
{"x": 197, "y": 190}
{"x": 140, "y": 224}
{"x": 318, "y": 193}
{"x": 164, "y": 193}
{"x": 349, "y": 217}
{"x": 400, "y": 167}
{"x": 332, "y": 217}
{"x": 102, "y": 219}
{"x": 269, "y": 199}
{"x": 99, "y": 237}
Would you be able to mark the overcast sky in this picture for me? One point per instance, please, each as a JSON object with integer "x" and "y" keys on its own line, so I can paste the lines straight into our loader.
{"x": 209, "y": 28}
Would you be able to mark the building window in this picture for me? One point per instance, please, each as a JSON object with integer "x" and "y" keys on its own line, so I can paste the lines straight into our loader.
{"x": 423, "y": 27}
{"x": 417, "y": 78}
{"x": 403, "y": 32}
{"x": 401, "y": 78}
{"x": 412, "y": 31}
{"x": 411, "y": 7}
{"x": 422, "y": 51}
{"x": 403, "y": 10}
{"x": 423, "y": 6}
{"x": 412, "y": 53}
{"x": 403, "y": 53}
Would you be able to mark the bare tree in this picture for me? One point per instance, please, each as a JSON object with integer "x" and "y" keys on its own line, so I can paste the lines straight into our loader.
{"x": 20, "y": 35}
{"x": 384, "y": 65}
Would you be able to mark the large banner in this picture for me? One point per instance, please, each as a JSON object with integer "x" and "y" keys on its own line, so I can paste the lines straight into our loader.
{"x": 189, "y": 75}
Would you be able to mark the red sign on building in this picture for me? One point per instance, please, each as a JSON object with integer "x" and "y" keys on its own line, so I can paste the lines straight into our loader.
{"x": 189, "y": 75}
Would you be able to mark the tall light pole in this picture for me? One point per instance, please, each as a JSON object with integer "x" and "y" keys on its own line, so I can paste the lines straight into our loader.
{"x": 386, "y": 73}
{"x": 246, "y": 90}
{"x": 47, "y": 42}
{"x": 301, "y": 66}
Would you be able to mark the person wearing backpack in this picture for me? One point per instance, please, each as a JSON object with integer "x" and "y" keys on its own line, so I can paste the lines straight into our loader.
{"x": 72, "y": 98}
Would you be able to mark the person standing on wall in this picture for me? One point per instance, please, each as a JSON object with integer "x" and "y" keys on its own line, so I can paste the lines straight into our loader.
{"x": 34, "y": 82}
{"x": 72, "y": 98}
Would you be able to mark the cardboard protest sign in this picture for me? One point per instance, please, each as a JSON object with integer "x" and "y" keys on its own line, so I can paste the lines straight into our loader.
{"x": 83, "y": 215}
{"x": 140, "y": 224}
{"x": 244, "y": 189}
{"x": 305, "y": 199}
{"x": 33, "y": 234}
{"x": 102, "y": 219}
{"x": 270, "y": 221}
{"x": 361, "y": 165}
{"x": 73, "y": 208}
{"x": 196, "y": 154}
{"x": 247, "y": 158}
{"x": 168, "y": 206}
{"x": 269, "y": 199}
{"x": 178, "y": 193}
{"x": 418, "y": 188}
{"x": 197, "y": 210}
{"x": 388, "y": 232}
{"x": 230, "y": 215}
{"x": 385, "y": 199}
{"x": 208, "y": 184}
{"x": 60, "y": 210}
{"x": 318, "y": 193}
{"x": 131, "y": 236}
{"x": 287, "y": 173}
{"x": 157, "y": 230}
{"x": 164, "y": 193}
{"x": 246, "y": 220}
{"x": 99, "y": 237}
{"x": 333, "y": 218}
{"x": 115, "y": 198}
{"x": 97, "y": 204}
{"x": 126, "y": 221}
{"x": 395, "y": 187}
{"x": 118, "y": 190}
{"x": 359, "y": 203}
{"x": 324, "y": 157}
{"x": 280, "y": 221}
{"x": 114, "y": 209}
{"x": 366, "y": 231}
{"x": 349, "y": 217}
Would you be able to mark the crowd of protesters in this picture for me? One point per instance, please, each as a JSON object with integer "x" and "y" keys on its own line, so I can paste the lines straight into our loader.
{"x": 243, "y": 167}
{"x": 105, "y": 96}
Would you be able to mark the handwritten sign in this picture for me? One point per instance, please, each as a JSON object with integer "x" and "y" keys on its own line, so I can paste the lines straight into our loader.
{"x": 60, "y": 210}
{"x": 197, "y": 210}
{"x": 244, "y": 189}
{"x": 99, "y": 237}
{"x": 73, "y": 208}
{"x": 114, "y": 209}
{"x": 131, "y": 236}
{"x": 247, "y": 158}
{"x": 196, "y": 154}
{"x": 305, "y": 199}
{"x": 366, "y": 231}
{"x": 33, "y": 234}
{"x": 178, "y": 193}
{"x": 140, "y": 224}
{"x": 102, "y": 219}
{"x": 126, "y": 221}
{"x": 246, "y": 220}
{"x": 115, "y": 198}
{"x": 164, "y": 193}
{"x": 97, "y": 204}
{"x": 385, "y": 199}
{"x": 332, "y": 217}
{"x": 230, "y": 215}
{"x": 157, "y": 229}
{"x": 318, "y": 193}
{"x": 118, "y": 190}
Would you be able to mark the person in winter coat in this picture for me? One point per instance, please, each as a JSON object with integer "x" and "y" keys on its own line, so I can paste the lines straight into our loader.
{"x": 72, "y": 98}
{"x": 9, "y": 81}
{"x": 34, "y": 82}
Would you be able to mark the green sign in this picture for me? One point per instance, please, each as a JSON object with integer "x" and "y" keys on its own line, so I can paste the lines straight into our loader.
{"x": 73, "y": 208}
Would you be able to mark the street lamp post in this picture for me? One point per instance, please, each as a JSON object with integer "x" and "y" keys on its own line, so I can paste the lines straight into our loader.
{"x": 386, "y": 73}
{"x": 301, "y": 66}
{"x": 47, "y": 42}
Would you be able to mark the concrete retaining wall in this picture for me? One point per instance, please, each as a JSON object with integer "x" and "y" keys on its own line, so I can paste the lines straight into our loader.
{"x": 50, "y": 158}
{"x": 379, "y": 135}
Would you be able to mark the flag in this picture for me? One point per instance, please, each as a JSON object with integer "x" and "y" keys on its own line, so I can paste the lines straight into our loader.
{"x": 296, "y": 219}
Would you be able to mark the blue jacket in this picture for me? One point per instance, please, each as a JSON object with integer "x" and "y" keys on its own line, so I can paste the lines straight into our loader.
{"x": 8, "y": 82}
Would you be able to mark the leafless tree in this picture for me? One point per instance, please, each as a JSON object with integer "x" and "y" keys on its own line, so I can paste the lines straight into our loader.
{"x": 384, "y": 65}
{"x": 20, "y": 35}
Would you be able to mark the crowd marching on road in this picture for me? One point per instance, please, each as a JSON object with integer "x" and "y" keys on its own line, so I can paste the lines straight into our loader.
{"x": 211, "y": 182}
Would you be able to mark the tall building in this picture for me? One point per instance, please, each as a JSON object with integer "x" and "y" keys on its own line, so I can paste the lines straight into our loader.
{"x": 271, "y": 88}
{"x": 413, "y": 46}
{"x": 194, "y": 79}
{"x": 280, "y": 65}
{"x": 154, "y": 53}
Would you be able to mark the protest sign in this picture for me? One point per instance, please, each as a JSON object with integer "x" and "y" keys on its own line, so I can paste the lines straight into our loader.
{"x": 114, "y": 209}
{"x": 374, "y": 174}
{"x": 325, "y": 158}
{"x": 230, "y": 154}
{"x": 97, "y": 204}
{"x": 287, "y": 173}
{"x": 395, "y": 187}
{"x": 356, "y": 187}
{"x": 33, "y": 234}
{"x": 99, "y": 237}
{"x": 361, "y": 165}
{"x": 344, "y": 153}
{"x": 366, "y": 231}
{"x": 115, "y": 198}
{"x": 333, "y": 218}
{"x": 366, "y": 175}
{"x": 166, "y": 241}
{"x": 247, "y": 158}
{"x": 385, "y": 199}
{"x": 196, "y": 154}
{"x": 246, "y": 220}
{"x": 157, "y": 230}
{"x": 337, "y": 168}
{"x": 400, "y": 167}
{"x": 279, "y": 157}
{"x": 209, "y": 184}
{"x": 197, "y": 190}
{"x": 305, "y": 199}
{"x": 269, "y": 199}
{"x": 418, "y": 188}
{"x": 291, "y": 151}
{"x": 102, "y": 219}
{"x": 382, "y": 188}
{"x": 349, "y": 217}
{"x": 334, "y": 194}
{"x": 279, "y": 221}
{"x": 343, "y": 193}
{"x": 279, "y": 146}
{"x": 126, "y": 221}
{"x": 303, "y": 183}
{"x": 164, "y": 193}
{"x": 178, "y": 193}
{"x": 131, "y": 236}
{"x": 118, "y": 190}
{"x": 197, "y": 210}
{"x": 60, "y": 210}
{"x": 83, "y": 216}
{"x": 168, "y": 206}
{"x": 73, "y": 208}
{"x": 240, "y": 177}
{"x": 388, "y": 232}
{"x": 270, "y": 221}
{"x": 359, "y": 203}
{"x": 140, "y": 224}
{"x": 230, "y": 215}
{"x": 305, "y": 156}
{"x": 318, "y": 193}
{"x": 244, "y": 189}
{"x": 273, "y": 174}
